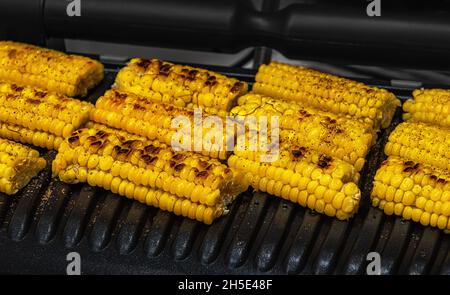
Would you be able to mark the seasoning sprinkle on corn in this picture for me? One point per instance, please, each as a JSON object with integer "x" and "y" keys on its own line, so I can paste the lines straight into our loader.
{"x": 54, "y": 71}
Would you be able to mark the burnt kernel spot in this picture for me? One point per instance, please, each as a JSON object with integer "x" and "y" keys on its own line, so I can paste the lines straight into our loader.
{"x": 408, "y": 169}
{"x": 227, "y": 171}
{"x": 151, "y": 149}
{"x": 203, "y": 164}
{"x": 211, "y": 78}
{"x": 97, "y": 143}
{"x": 172, "y": 163}
{"x": 129, "y": 143}
{"x": 101, "y": 133}
{"x": 324, "y": 161}
{"x": 192, "y": 73}
{"x": 185, "y": 70}
{"x": 33, "y": 101}
{"x": 116, "y": 149}
{"x": 236, "y": 87}
{"x": 124, "y": 151}
{"x": 165, "y": 68}
{"x": 409, "y": 163}
{"x": 15, "y": 87}
{"x": 433, "y": 177}
{"x": 179, "y": 167}
{"x": 12, "y": 53}
{"x": 333, "y": 121}
{"x": 441, "y": 180}
{"x": 91, "y": 138}
{"x": 148, "y": 159}
{"x": 168, "y": 108}
{"x": 209, "y": 167}
{"x": 73, "y": 139}
{"x": 304, "y": 113}
{"x": 298, "y": 153}
{"x": 138, "y": 107}
{"x": 210, "y": 83}
{"x": 178, "y": 157}
{"x": 201, "y": 174}
{"x": 416, "y": 166}
{"x": 40, "y": 94}
{"x": 143, "y": 63}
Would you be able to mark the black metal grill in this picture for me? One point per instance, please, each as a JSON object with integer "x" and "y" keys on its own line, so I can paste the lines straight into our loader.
{"x": 262, "y": 234}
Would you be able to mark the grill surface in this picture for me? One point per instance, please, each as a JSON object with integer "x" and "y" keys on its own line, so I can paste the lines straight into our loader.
{"x": 261, "y": 235}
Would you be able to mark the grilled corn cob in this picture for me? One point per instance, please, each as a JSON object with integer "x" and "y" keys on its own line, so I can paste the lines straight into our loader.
{"x": 153, "y": 120}
{"x": 327, "y": 92}
{"x": 29, "y": 115}
{"x": 47, "y": 69}
{"x": 18, "y": 165}
{"x": 337, "y": 136}
{"x": 180, "y": 85}
{"x": 185, "y": 183}
{"x": 420, "y": 143}
{"x": 414, "y": 191}
{"x": 319, "y": 182}
{"x": 429, "y": 106}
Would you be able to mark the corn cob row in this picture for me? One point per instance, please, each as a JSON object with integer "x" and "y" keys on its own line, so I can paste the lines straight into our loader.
{"x": 414, "y": 191}
{"x": 337, "y": 136}
{"x": 429, "y": 106}
{"x": 153, "y": 120}
{"x": 180, "y": 85}
{"x": 319, "y": 182}
{"x": 18, "y": 165}
{"x": 32, "y": 116}
{"x": 47, "y": 69}
{"x": 420, "y": 143}
{"x": 327, "y": 92}
{"x": 185, "y": 183}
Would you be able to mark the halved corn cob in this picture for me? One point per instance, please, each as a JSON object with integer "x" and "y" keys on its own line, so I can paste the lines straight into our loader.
{"x": 153, "y": 120}
{"x": 18, "y": 165}
{"x": 420, "y": 143}
{"x": 37, "y": 117}
{"x": 180, "y": 85}
{"x": 429, "y": 106}
{"x": 414, "y": 191}
{"x": 327, "y": 92}
{"x": 185, "y": 183}
{"x": 319, "y": 182}
{"x": 327, "y": 133}
{"x": 48, "y": 69}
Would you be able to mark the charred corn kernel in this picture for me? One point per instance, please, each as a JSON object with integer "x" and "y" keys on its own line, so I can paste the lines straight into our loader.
{"x": 54, "y": 71}
{"x": 141, "y": 169}
{"x": 326, "y": 92}
{"x": 430, "y": 106}
{"x": 28, "y": 136}
{"x": 421, "y": 143}
{"x": 334, "y": 135}
{"x": 38, "y": 117}
{"x": 153, "y": 120}
{"x": 315, "y": 186}
{"x": 410, "y": 197}
{"x": 18, "y": 165}
{"x": 180, "y": 85}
